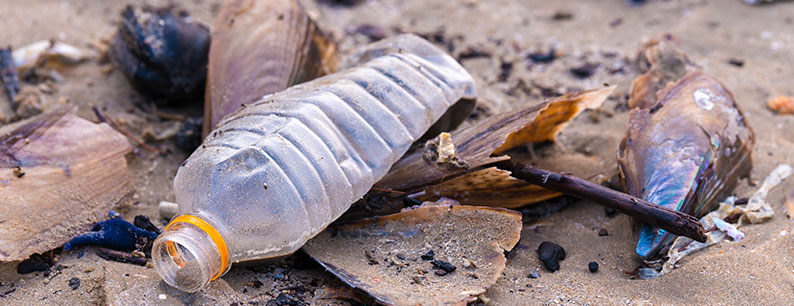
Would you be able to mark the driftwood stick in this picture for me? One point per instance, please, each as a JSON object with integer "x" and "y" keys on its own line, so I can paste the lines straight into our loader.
{"x": 675, "y": 222}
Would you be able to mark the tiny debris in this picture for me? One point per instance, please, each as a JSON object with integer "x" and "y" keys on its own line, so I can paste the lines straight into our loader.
{"x": 443, "y": 266}
{"x": 593, "y": 267}
{"x": 783, "y": 105}
{"x": 467, "y": 263}
{"x": 736, "y": 62}
{"x": 562, "y": 15}
{"x": 74, "y": 283}
{"x": 474, "y": 52}
{"x": 550, "y": 254}
{"x": 120, "y": 256}
{"x": 430, "y": 255}
{"x": 36, "y": 262}
{"x": 584, "y": 71}
{"x": 789, "y": 201}
{"x": 8, "y": 73}
{"x": 188, "y": 137}
{"x": 603, "y": 232}
{"x": 167, "y": 209}
{"x": 543, "y": 57}
{"x": 18, "y": 172}
{"x": 143, "y": 222}
{"x": 533, "y": 274}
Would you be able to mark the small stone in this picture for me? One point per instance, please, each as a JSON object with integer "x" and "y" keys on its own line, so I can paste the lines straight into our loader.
{"x": 161, "y": 296}
{"x": 429, "y": 255}
{"x": 593, "y": 267}
{"x": 603, "y": 232}
{"x": 533, "y": 274}
{"x": 584, "y": 71}
{"x": 468, "y": 264}
{"x": 443, "y": 265}
{"x": 74, "y": 283}
{"x": 550, "y": 254}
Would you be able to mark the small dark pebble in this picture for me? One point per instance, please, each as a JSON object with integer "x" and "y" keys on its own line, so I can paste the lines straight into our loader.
{"x": 584, "y": 71}
{"x": 188, "y": 138}
{"x": 736, "y": 62}
{"x": 603, "y": 232}
{"x": 443, "y": 265}
{"x": 144, "y": 223}
{"x": 562, "y": 15}
{"x": 256, "y": 284}
{"x": 342, "y": 2}
{"x": 284, "y": 300}
{"x": 74, "y": 283}
{"x": 593, "y": 267}
{"x": 533, "y": 274}
{"x": 742, "y": 201}
{"x": 732, "y": 218}
{"x": 473, "y": 52}
{"x": 36, "y": 262}
{"x": 440, "y": 272}
{"x": 505, "y": 69}
{"x": 550, "y": 254}
{"x": 429, "y": 255}
{"x": 541, "y": 57}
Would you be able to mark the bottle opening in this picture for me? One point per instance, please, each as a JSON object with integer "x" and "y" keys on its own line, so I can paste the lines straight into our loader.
{"x": 186, "y": 256}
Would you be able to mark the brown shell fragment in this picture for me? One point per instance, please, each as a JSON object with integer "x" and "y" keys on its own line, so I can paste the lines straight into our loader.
{"x": 59, "y": 174}
{"x": 476, "y": 143}
{"x": 383, "y": 256}
{"x": 262, "y": 47}
{"x": 554, "y": 118}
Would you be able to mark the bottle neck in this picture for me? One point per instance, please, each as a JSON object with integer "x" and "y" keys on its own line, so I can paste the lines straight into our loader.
{"x": 189, "y": 254}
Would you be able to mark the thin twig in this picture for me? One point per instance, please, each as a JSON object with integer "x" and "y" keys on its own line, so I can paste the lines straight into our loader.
{"x": 388, "y": 190}
{"x": 131, "y": 136}
{"x": 675, "y": 222}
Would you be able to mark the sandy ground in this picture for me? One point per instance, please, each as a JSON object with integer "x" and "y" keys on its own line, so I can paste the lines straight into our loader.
{"x": 758, "y": 270}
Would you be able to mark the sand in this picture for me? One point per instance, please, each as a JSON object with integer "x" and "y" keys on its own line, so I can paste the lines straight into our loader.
{"x": 759, "y": 270}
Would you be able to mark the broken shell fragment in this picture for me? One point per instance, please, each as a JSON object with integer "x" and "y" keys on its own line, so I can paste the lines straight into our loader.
{"x": 48, "y": 53}
{"x": 685, "y": 151}
{"x": 59, "y": 174}
{"x": 397, "y": 243}
{"x": 782, "y": 105}
{"x": 259, "y": 48}
{"x": 163, "y": 54}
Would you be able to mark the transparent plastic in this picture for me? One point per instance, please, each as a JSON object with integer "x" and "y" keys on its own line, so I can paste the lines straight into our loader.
{"x": 276, "y": 172}
{"x": 186, "y": 257}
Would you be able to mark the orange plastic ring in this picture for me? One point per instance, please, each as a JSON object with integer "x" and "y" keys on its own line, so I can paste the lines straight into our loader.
{"x": 214, "y": 235}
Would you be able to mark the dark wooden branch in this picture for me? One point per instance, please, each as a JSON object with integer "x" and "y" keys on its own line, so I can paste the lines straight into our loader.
{"x": 675, "y": 222}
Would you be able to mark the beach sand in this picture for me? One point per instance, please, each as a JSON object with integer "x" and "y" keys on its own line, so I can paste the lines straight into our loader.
{"x": 759, "y": 270}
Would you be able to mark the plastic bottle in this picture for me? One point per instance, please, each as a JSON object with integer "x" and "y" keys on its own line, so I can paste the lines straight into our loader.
{"x": 276, "y": 172}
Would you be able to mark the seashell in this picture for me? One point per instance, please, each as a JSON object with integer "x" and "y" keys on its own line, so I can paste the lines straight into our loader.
{"x": 685, "y": 151}
{"x": 262, "y": 47}
{"x": 316, "y": 147}
{"x": 420, "y": 240}
{"x": 163, "y": 55}
{"x": 59, "y": 174}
